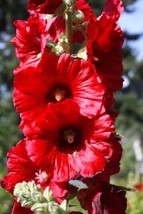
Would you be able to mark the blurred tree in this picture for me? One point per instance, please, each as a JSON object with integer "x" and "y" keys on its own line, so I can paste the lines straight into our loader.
{"x": 129, "y": 99}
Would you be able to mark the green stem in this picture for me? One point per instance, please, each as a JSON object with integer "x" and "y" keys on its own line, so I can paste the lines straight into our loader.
{"x": 68, "y": 19}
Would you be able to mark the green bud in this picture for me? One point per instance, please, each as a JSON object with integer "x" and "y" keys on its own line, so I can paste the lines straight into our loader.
{"x": 28, "y": 193}
{"x": 18, "y": 189}
{"x": 36, "y": 196}
{"x": 26, "y": 203}
{"x": 33, "y": 187}
{"x": 68, "y": 2}
{"x": 78, "y": 16}
{"x": 63, "y": 205}
{"x": 48, "y": 195}
{"x": 40, "y": 207}
{"x": 25, "y": 194}
{"x": 21, "y": 191}
{"x": 53, "y": 207}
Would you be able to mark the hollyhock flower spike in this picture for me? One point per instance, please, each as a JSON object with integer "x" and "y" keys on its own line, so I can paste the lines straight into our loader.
{"x": 66, "y": 104}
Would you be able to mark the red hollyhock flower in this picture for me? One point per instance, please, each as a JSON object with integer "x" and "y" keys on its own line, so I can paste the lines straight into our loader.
{"x": 104, "y": 45}
{"x": 22, "y": 168}
{"x": 30, "y": 40}
{"x": 55, "y": 80}
{"x": 70, "y": 144}
{"x": 103, "y": 198}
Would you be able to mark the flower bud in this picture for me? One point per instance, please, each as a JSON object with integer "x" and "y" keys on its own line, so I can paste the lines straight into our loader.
{"x": 26, "y": 203}
{"x": 33, "y": 187}
{"x": 68, "y": 2}
{"x": 21, "y": 191}
{"x": 48, "y": 195}
{"x": 19, "y": 188}
{"x": 40, "y": 207}
{"x": 53, "y": 207}
{"x": 36, "y": 196}
{"x": 63, "y": 205}
{"x": 25, "y": 194}
{"x": 78, "y": 16}
{"x": 28, "y": 193}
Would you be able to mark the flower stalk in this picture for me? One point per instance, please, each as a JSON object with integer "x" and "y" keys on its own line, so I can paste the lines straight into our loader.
{"x": 69, "y": 20}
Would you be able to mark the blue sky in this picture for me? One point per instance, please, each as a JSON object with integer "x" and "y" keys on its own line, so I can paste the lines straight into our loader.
{"x": 133, "y": 23}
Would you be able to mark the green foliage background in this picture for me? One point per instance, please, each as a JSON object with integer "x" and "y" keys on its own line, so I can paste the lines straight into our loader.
{"x": 129, "y": 102}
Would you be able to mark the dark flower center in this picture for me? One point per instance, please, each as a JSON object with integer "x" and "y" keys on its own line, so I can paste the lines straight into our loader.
{"x": 59, "y": 93}
{"x": 70, "y": 138}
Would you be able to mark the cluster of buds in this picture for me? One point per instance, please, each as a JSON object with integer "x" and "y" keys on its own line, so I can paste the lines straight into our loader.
{"x": 31, "y": 195}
